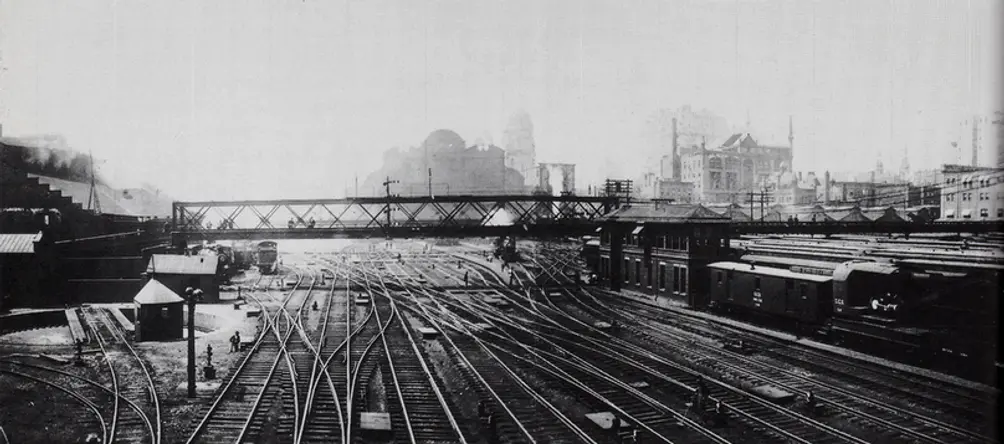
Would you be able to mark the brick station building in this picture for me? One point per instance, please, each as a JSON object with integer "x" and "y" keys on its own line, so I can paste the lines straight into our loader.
{"x": 659, "y": 248}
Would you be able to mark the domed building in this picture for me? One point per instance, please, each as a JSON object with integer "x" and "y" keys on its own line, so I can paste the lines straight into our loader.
{"x": 456, "y": 169}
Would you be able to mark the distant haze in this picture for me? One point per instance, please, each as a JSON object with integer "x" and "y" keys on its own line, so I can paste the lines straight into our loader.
{"x": 236, "y": 99}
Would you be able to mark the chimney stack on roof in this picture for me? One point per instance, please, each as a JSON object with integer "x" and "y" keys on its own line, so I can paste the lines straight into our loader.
{"x": 826, "y": 188}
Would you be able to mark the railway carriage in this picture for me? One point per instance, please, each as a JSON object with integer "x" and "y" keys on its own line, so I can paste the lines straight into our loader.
{"x": 801, "y": 297}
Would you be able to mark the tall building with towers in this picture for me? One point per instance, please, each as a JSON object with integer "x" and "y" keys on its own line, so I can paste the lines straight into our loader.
{"x": 978, "y": 141}
{"x": 738, "y": 166}
{"x": 520, "y": 150}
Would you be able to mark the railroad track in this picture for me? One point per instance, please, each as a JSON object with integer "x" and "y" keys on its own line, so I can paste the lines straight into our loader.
{"x": 613, "y": 370}
{"x": 324, "y": 417}
{"x": 239, "y": 409}
{"x": 427, "y": 414}
{"x": 95, "y": 400}
{"x": 129, "y": 378}
{"x": 885, "y": 418}
{"x": 809, "y": 428}
{"x": 964, "y": 400}
{"x": 522, "y": 420}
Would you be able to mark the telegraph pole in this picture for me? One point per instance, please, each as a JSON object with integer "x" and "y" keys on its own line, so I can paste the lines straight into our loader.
{"x": 386, "y": 185}
{"x": 751, "y": 205}
{"x": 763, "y": 197}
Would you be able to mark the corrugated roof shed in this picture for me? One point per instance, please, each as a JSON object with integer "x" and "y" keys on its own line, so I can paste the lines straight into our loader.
{"x": 883, "y": 214}
{"x": 855, "y": 215}
{"x": 178, "y": 264}
{"x": 18, "y": 243}
{"x": 156, "y": 293}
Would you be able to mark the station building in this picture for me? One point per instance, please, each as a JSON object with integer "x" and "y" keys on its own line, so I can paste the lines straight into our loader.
{"x": 661, "y": 248}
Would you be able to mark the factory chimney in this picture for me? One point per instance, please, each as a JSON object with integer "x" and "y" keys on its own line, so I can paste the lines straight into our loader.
{"x": 675, "y": 160}
{"x": 791, "y": 136}
{"x": 826, "y": 188}
{"x": 976, "y": 143}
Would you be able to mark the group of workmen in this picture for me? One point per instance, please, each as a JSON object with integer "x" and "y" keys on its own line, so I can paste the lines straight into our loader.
{"x": 292, "y": 223}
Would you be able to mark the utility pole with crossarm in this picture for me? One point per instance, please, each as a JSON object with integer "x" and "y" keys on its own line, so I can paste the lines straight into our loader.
{"x": 386, "y": 185}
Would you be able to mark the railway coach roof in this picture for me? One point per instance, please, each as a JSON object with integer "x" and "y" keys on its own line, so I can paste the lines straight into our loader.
{"x": 764, "y": 259}
{"x": 768, "y": 271}
{"x": 843, "y": 270}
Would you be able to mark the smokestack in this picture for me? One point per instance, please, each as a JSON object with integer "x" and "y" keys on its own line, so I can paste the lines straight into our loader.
{"x": 826, "y": 188}
{"x": 675, "y": 162}
{"x": 976, "y": 146}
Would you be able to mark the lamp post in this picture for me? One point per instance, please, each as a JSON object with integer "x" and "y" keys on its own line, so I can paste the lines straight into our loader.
{"x": 192, "y": 296}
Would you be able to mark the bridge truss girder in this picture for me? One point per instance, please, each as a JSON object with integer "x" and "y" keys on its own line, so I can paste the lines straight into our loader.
{"x": 366, "y": 217}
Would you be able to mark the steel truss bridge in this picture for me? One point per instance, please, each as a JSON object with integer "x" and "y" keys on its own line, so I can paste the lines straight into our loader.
{"x": 463, "y": 216}
{"x": 365, "y": 217}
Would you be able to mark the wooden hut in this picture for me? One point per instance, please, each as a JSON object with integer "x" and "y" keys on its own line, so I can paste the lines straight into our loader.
{"x": 159, "y": 313}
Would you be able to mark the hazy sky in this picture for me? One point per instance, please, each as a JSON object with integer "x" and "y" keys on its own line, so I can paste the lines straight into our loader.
{"x": 266, "y": 98}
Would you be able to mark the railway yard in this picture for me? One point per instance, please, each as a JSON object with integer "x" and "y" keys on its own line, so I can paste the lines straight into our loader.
{"x": 407, "y": 341}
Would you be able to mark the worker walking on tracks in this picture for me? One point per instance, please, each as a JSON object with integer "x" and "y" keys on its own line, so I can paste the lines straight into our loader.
{"x": 490, "y": 429}
{"x": 720, "y": 417}
{"x": 615, "y": 427}
{"x": 633, "y": 438}
{"x": 466, "y": 279}
{"x": 235, "y": 342}
{"x": 482, "y": 409}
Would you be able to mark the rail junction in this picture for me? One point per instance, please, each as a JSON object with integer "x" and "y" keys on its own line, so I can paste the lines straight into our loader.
{"x": 404, "y": 341}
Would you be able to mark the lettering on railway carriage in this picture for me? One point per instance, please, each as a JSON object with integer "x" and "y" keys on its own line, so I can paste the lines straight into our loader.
{"x": 757, "y": 298}
{"x": 811, "y": 270}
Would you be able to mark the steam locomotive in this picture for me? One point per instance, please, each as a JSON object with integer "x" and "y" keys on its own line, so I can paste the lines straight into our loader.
{"x": 267, "y": 254}
{"x": 226, "y": 265}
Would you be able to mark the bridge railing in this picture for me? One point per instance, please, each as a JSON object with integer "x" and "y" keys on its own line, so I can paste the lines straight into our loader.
{"x": 377, "y": 213}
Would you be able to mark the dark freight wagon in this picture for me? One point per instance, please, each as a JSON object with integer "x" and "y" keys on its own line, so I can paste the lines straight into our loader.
{"x": 806, "y": 298}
